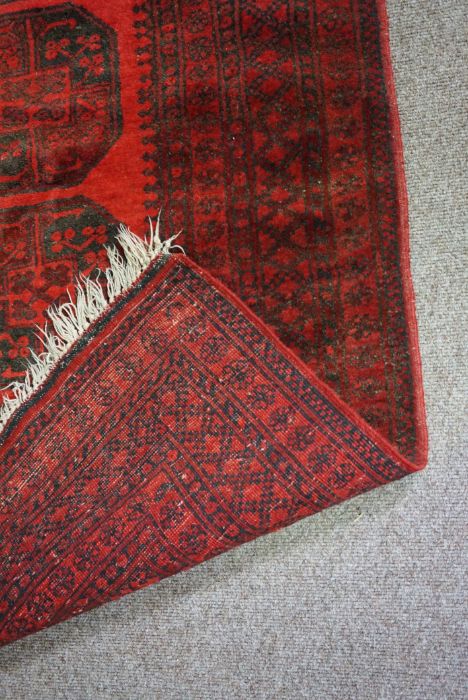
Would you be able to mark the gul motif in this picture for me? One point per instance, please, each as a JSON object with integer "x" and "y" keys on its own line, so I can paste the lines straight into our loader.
{"x": 59, "y": 102}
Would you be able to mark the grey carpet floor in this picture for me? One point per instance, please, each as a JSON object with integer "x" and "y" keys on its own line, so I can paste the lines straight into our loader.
{"x": 367, "y": 600}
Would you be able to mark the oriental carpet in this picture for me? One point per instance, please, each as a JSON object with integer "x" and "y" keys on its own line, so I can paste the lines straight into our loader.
{"x": 212, "y": 401}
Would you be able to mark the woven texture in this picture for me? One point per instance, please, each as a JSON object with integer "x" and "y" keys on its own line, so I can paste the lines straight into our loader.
{"x": 273, "y": 145}
{"x": 177, "y": 426}
{"x": 398, "y": 606}
{"x": 174, "y": 430}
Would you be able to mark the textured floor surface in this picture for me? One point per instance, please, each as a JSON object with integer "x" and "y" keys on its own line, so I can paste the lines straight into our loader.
{"x": 363, "y": 601}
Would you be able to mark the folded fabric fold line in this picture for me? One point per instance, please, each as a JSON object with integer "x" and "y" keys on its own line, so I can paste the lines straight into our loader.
{"x": 175, "y": 427}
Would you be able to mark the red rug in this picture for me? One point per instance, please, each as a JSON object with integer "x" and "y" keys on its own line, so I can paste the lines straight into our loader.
{"x": 186, "y": 421}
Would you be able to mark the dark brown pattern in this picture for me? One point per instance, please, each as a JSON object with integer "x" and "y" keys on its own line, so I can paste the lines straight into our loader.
{"x": 267, "y": 124}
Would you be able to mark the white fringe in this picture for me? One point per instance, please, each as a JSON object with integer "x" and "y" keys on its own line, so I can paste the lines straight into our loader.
{"x": 71, "y": 319}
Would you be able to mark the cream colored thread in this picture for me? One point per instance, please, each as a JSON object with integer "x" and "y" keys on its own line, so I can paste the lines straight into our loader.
{"x": 70, "y": 320}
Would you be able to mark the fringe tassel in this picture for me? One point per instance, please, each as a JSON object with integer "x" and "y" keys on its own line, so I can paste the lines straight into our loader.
{"x": 71, "y": 319}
